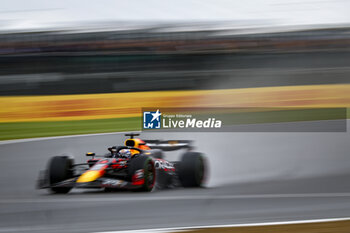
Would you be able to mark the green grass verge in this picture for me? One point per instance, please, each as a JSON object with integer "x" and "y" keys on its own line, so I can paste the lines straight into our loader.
{"x": 288, "y": 115}
{"x": 19, "y": 130}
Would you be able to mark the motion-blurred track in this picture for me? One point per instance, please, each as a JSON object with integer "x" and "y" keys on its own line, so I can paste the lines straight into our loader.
{"x": 254, "y": 177}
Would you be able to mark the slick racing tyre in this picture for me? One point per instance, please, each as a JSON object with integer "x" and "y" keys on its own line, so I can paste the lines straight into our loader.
{"x": 143, "y": 164}
{"x": 60, "y": 169}
{"x": 191, "y": 169}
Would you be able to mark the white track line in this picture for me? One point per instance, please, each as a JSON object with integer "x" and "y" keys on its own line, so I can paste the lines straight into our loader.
{"x": 4, "y": 142}
{"x": 60, "y": 137}
{"x": 52, "y": 199}
{"x": 179, "y": 229}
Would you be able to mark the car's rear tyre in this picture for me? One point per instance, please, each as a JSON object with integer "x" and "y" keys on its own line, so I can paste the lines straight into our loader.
{"x": 146, "y": 164}
{"x": 60, "y": 169}
{"x": 191, "y": 169}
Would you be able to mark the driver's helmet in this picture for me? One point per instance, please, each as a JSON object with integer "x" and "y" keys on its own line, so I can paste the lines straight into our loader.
{"x": 125, "y": 153}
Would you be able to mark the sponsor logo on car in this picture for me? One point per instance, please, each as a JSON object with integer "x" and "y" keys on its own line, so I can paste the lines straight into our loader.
{"x": 113, "y": 183}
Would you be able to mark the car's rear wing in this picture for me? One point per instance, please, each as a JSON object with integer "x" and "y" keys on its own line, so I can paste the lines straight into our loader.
{"x": 169, "y": 145}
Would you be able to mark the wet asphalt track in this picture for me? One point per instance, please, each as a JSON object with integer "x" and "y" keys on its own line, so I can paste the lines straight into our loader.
{"x": 254, "y": 177}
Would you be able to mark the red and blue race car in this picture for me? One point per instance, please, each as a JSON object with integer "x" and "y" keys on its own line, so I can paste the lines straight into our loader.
{"x": 137, "y": 165}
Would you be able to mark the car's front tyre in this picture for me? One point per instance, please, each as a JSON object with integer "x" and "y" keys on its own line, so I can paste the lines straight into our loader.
{"x": 60, "y": 169}
{"x": 145, "y": 165}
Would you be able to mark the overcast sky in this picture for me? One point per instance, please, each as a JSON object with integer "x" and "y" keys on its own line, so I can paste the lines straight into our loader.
{"x": 18, "y": 14}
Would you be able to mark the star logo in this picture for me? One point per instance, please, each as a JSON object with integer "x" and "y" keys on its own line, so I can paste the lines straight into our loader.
{"x": 156, "y": 115}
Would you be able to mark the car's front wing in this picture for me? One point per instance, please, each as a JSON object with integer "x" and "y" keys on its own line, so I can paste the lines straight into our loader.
{"x": 102, "y": 182}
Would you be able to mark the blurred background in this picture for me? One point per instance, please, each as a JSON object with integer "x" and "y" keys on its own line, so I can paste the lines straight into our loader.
{"x": 76, "y": 67}
{"x": 46, "y": 51}
{"x": 253, "y": 53}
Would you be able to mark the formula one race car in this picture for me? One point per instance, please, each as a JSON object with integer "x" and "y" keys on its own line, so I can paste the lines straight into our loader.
{"x": 138, "y": 165}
